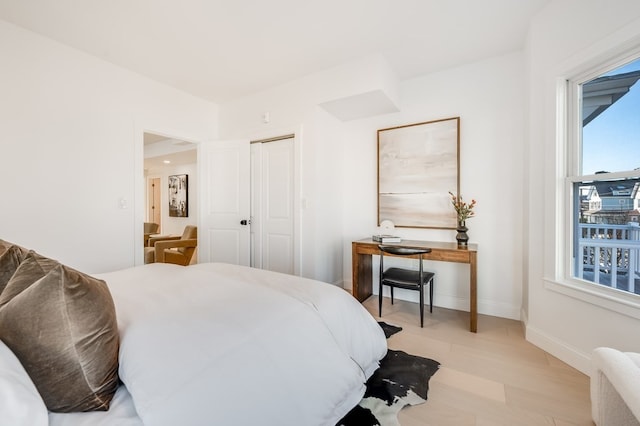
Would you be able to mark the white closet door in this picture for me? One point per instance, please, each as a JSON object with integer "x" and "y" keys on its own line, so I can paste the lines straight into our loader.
{"x": 273, "y": 205}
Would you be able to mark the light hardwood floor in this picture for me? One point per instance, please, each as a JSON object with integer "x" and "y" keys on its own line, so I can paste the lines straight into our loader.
{"x": 494, "y": 377}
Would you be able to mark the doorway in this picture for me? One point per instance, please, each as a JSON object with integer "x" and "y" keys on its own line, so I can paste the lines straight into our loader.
{"x": 163, "y": 157}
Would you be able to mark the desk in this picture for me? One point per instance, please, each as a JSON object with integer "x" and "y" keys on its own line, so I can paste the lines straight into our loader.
{"x": 363, "y": 250}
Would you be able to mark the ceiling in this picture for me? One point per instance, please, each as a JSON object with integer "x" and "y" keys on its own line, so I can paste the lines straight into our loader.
{"x": 156, "y": 164}
{"x": 151, "y": 138}
{"x": 224, "y": 49}
{"x": 161, "y": 152}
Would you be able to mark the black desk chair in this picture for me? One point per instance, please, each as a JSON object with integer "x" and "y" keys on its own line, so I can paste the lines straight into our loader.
{"x": 405, "y": 278}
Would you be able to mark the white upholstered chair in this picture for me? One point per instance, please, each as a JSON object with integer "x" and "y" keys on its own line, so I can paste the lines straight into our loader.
{"x": 615, "y": 387}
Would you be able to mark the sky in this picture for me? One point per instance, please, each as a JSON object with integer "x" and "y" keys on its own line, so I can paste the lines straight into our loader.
{"x": 611, "y": 142}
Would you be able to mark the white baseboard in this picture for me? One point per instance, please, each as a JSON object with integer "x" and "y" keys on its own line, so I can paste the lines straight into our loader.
{"x": 575, "y": 358}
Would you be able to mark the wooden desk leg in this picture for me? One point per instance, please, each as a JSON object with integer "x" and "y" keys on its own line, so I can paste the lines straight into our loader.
{"x": 473, "y": 292}
{"x": 355, "y": 282}
{"x": 361, "y": 274}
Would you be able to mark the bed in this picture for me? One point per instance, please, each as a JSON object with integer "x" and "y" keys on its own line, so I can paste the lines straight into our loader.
{"x": 224, "y": 344}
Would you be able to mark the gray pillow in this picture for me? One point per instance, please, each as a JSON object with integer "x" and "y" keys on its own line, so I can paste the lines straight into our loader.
{"x": 10, "y": 258}
{"x": 63, "y": 329}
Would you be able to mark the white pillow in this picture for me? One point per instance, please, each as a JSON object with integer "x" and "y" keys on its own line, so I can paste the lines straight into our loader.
{"x": 20, "y": 402}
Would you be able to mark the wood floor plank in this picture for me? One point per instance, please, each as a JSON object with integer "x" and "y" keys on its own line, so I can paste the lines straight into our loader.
{"x": 558, "y": 406}
{"x": 471, "y": 383}
{"x": 492, "y": 377}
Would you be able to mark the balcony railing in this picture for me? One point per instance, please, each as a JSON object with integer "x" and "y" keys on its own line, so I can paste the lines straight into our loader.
{"x": 610, "y": 255}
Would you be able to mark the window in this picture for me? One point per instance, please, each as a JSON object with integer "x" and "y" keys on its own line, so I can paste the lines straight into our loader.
{"x": 605, "y": 179}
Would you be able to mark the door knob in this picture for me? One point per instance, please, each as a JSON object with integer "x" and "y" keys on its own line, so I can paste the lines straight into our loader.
{"x": 245, "y": 222}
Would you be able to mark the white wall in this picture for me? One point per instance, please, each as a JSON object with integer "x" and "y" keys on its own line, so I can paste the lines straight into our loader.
{"x": 293, "y": 108}
{"x": 339, "y": 169}
{"x": 323, "y": 171}
{"x": 488, "y": 97}
{"x": 567, "y": 34}
{"x": 71, "y": 141}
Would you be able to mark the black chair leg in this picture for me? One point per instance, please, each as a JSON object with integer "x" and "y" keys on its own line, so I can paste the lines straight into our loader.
{"x": 380, "y": 301}
{"x": 421, "y": 305}
{"x": 391, "y": 294}
{"x": 431, "y": 296}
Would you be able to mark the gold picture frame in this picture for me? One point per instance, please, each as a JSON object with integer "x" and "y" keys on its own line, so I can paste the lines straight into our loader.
{"x": 418, "y": 165}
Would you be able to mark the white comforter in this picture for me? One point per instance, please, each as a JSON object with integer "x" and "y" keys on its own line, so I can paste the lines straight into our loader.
{"x": 219, "y": 344}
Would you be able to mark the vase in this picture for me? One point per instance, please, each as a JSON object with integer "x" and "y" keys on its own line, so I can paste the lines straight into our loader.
{"x": 462, "y": 236}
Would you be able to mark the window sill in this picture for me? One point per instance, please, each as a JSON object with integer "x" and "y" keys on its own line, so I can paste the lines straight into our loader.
{"x": 614, "y": 300}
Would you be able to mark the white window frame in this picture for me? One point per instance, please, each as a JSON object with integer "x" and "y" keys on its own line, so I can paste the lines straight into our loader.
{"x": 568, "y": 166}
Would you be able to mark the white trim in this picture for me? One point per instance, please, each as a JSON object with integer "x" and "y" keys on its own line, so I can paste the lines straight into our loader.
{"x": 562, "y": 215}
{"x": 617, "y": 48}
{"x": 604, "y": 297}
{"x": 630, "y": 174}
{"x": 559, "y": 349}
{"x": 568, "y": 168}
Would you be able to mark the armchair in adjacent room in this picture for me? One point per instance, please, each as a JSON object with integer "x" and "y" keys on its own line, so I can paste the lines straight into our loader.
{"x": 172, "y": 249}
{"x": 150, "y": 228}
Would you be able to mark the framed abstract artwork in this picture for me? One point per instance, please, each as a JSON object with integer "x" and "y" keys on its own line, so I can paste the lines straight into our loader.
{"x": 179, "y": 196}
{"x": 418, "y": 165}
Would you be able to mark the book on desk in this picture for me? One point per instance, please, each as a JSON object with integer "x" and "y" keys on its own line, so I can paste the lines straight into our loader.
{"x": 384, "y": 238}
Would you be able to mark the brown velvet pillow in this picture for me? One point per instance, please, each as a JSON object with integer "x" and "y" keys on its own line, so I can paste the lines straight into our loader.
{"x": 10, "y": 259}
{"x": 63, "y": 330}
{"x": 4, "y": 245}
{"x": 32, "y": 268}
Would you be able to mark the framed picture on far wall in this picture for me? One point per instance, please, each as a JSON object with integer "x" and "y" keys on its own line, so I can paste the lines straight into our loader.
{"x": 418, "y": 164}
{"x": 179, "y": 196}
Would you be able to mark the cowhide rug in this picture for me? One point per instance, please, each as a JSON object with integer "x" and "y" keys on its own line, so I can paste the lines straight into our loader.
{"x": 401, "y": 380}
{"x": 389, "y": 330}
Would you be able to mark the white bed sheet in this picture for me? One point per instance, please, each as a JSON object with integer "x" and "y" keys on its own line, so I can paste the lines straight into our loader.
{"x": 224, "y": 344}
{"x": 121, "y": 413}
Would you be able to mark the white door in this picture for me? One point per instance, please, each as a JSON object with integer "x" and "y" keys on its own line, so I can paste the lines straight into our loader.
{"x": 224, "y": 173}
{"x": 272, "y": 221}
